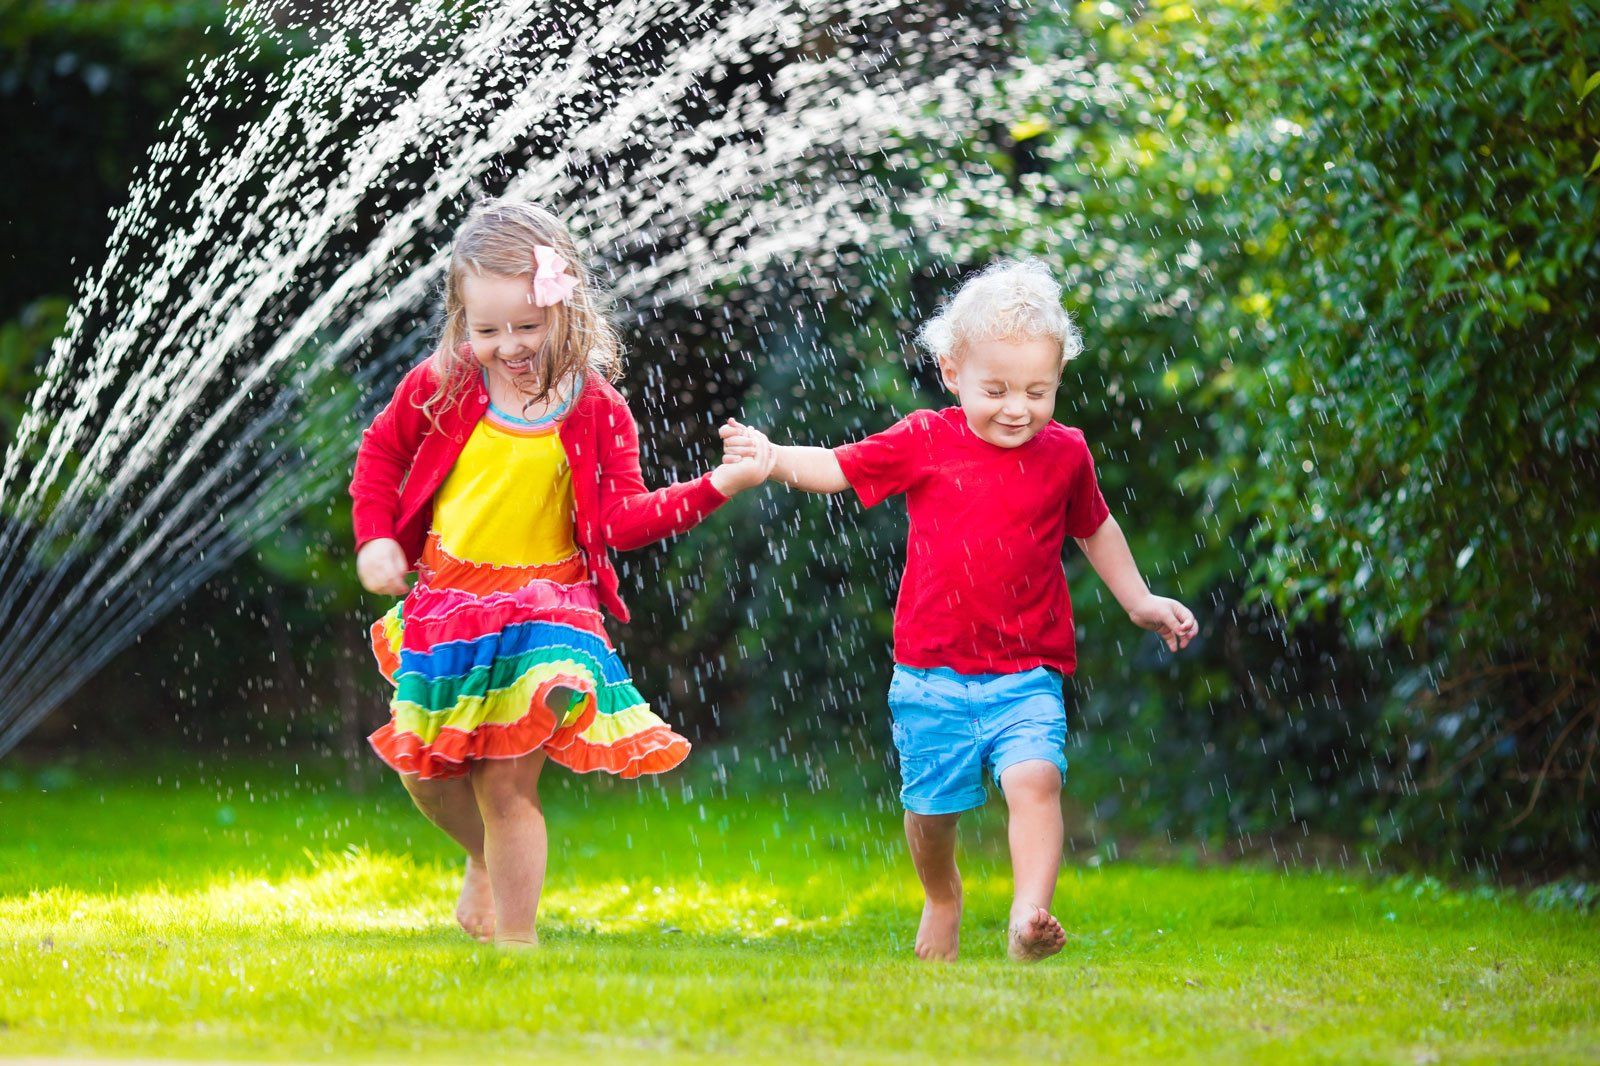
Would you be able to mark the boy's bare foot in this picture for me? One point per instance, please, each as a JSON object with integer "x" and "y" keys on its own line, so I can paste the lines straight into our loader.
{"x": 475, "y": 908}
{"x": 1036, "y": 935}
{"x": 939, "y": 935}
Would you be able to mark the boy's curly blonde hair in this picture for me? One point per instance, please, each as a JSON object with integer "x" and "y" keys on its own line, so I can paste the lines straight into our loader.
{"x": 497, "y": 240}
{"x": 1013, "y": 299}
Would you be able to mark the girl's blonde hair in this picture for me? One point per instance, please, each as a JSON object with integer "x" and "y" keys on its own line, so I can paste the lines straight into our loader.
{"x": 1013, "y": 299}
{"x": 497, "y": 240}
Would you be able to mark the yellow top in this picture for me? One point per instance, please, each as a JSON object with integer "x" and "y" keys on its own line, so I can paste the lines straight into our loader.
{"x": 508, "y": 499}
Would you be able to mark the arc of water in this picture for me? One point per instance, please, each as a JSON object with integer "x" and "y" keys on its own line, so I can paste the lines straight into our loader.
{"x": 244, "y": 303}
{"x": 507, "y": 130}
{"x": 310, "y": 78}
{"x": 262, "y": 286}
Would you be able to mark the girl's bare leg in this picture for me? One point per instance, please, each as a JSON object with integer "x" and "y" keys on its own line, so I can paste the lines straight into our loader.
{"x": 514, "y": 842}
{"x": 1033, "y": 793}
{"x": 932, "y": 838}
{"x": 451, "y": 805}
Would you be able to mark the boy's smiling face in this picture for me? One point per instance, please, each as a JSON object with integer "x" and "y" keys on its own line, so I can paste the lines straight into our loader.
{"x": 1006, "y": 388}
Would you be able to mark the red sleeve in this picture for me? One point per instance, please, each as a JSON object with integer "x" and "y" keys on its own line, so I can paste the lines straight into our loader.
{"x": 632, "y": 516}
{"x": 888, "y": 463}
{"x": 388, "y": 447}
{"x": 1086, "y": 508}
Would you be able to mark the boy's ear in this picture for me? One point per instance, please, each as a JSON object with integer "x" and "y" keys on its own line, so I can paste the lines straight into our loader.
{"x": 947, "y": 372}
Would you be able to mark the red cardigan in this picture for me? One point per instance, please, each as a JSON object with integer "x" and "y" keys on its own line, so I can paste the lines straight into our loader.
{"x": 403, "y": 460}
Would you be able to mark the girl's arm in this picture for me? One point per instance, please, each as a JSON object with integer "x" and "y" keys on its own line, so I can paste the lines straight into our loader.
{"x": 632, "y": 516}
{"x": 1108, "y": 552}
{"x": 388, "y": 447}
{"x": 799, "y": 467}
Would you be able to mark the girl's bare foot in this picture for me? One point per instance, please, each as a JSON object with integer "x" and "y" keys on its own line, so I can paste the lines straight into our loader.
{"x": 1035, "y": 935}
{"x": 939, "y": 935}
{"x": 517, "y": 942}
{"x": 475, "y": 908}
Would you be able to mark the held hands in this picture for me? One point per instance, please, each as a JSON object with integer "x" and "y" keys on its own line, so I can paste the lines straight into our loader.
{"x": 1169, "y": 618}
{"x": 381, "y": 566}
{"x": 747, "y": 459}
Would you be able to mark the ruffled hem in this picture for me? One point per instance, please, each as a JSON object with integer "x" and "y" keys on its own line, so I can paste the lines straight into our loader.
{"x": 384, "y": 650}
{"x": 653, "y": 751}
{"x": 453, "y": 751}
{"x": 409, "y": 641}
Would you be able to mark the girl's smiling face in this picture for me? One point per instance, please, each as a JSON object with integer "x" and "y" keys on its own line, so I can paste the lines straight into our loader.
{"x": 1006, "y": 388}
{"x": 505, "y": 327}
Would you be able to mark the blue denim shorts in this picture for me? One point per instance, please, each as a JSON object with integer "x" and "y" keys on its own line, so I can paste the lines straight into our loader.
{"x": 949, "y": 726}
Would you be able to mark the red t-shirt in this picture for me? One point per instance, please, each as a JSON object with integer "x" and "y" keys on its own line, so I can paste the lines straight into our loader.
{"x": 984, "y": 588}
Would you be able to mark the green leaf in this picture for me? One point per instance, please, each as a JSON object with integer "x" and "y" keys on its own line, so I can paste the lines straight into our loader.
{"x": 1589, "y": 86}
{"x": 1593, "y": 164}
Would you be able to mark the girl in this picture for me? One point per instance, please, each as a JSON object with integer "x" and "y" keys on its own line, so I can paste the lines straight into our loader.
{"x": 983, "y": 628}
{"x": 503, "y": 471}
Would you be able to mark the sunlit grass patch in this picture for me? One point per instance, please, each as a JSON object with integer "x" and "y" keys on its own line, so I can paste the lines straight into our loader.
{"x": 304, "y": 922}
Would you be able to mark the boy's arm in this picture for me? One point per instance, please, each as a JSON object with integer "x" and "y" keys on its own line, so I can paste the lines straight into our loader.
{"x": 809, "y": 469}
{"x": 1108, "y": 552}
{"x": 799, "y": 467}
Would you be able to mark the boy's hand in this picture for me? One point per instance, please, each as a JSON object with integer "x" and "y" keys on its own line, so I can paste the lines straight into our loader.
{"x": 1170, "y": 618}
{"x": 381, "y": 566}
{"x": 747, "y": 459}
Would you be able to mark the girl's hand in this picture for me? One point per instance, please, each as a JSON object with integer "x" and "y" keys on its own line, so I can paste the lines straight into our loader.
{"x": 381, "y": 566}
{"x": 1170, "y": 618}
{"x": 747, "y": 459}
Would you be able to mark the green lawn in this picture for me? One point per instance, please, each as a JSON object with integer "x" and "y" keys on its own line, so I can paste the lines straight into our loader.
{"x": 259, "y": 914}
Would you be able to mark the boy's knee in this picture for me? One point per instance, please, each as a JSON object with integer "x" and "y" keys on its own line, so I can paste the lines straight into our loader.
{"x": 931, "y": 826}
{"x": 1034, "y": 781}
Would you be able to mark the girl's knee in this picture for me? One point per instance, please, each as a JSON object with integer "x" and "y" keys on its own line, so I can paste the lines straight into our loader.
{"x": 430, "y": 795}
{"x": 500, "y": 808}
{"x": 504, "y": 790}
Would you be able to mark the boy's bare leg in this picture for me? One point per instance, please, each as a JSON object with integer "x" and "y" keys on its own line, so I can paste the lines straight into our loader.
{"x": 514, "y": 843}
{"x": 932, "y": 838}
{"x": 1033, "y": 794}
{"x": 450, "y": 804}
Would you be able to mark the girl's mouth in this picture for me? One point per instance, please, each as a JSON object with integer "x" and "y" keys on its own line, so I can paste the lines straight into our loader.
{"x": 517, "y": 366}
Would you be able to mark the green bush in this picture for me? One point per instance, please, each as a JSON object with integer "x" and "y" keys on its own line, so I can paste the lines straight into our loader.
{"x": 1337, "y": 278}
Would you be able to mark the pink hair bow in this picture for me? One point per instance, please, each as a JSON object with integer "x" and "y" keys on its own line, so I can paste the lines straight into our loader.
{"x": 551, "y": 282}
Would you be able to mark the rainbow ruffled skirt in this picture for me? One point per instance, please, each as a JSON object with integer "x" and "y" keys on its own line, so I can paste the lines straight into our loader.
{"x": 505, "y": 674}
